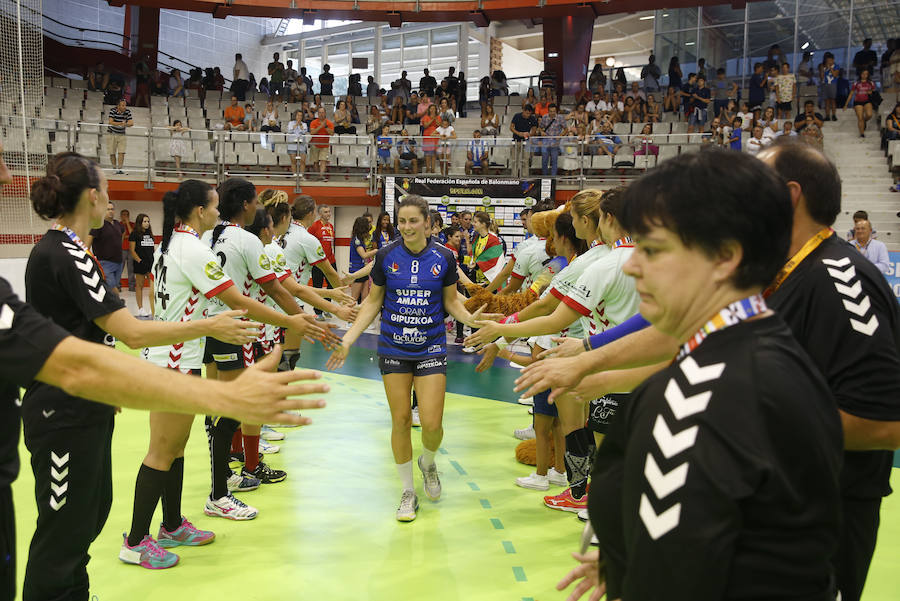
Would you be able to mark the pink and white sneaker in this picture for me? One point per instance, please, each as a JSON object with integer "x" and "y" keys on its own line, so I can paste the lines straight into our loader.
{"x": 147, "y": 554}
{"x": 186, "y": 534}
{"x": 230, "y": 508}
{"x": 564, "y": 501}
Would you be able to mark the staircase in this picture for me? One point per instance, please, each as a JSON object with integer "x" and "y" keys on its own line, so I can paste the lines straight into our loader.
{"x": 865, "y": 176}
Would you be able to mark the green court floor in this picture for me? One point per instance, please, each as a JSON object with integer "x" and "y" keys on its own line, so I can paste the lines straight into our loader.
{"x": 328, "y": 531}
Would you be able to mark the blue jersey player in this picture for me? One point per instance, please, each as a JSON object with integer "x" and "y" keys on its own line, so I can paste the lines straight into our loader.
{"x": 413, "y": 284}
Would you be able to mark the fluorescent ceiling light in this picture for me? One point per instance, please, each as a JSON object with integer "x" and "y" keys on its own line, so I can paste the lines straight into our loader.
{"x": 647, "y": 18}
{"x": 689, "y": 43}
{"x": 552, "y": 54}
{"x": 610, "y": 62}
{"x": 804, "y": 46}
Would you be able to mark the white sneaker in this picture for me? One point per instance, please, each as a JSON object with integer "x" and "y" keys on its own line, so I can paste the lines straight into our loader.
{"x": 583, "y": 515}
{"x": 293, "y": 412}
{"x": 239, "y": 483}
{"x": 468, "y": 350}
{"x": 534, "y": 482}
{"x": 267, "y": 448}
{"x": 525, "y": 433}
{"x": 526, "y": 401}
{"x": 531, "y": 411}
{"x": 409, "y": 503}
{"x": 416, "y": 422}
{"x": 268, "y": 433}
{"x": 557, "y": 478}
{"x": 432, "y": 484}
{"x": 229, "y": 507}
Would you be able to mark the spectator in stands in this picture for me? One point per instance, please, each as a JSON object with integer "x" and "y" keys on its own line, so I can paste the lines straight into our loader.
{"x": 127, "y": 259}
{"x": 323, "y": 230}
{"x": 427, "y": 84}
{"x": 384, "y": 143}
{"x": 804, "y": 70}
{"x": 372, "y": 87}
{"x": 490, "y": 121}
{"x": 843, "y": 88}
{"x": 321, "y": 130}
{"x": 270, "y": 119}
{"x": 250, "y": 123}
{"x": 645, "y": 145}
{"x": 606, "y": 142}
{"x": 195, "y": 82}
{"x": 240, "y": 78}
{"x": 445, "y": 111}
{"x": 351, "y": 108}
{"x": 461, "y": 89}
{"x": 477, "y": 154}
{"x": 651, "y": 74}
{"x": 890, "y": 46}
{"x": 551, "y": 128}
{"x": 296, "y": 92}
{"x": 342, "y": 122}
{"x": 254, "y": 86}
{"x": 119, "y": 119}
{"x": 672, "y": 100}
{"x": 177, "y": 150}
{"x": 484, "y": 91}
{"x": 746, "y": 116}
{"x": 406, "y": 154}
{"x": 773, "y": 59}
{"x": 701, "y": 68}
{"x": 542, "y": 107}
{"x": 651, "y": 110}
{"x": 722, "y": 90}
{"x": 594, "y": 104}
{"x": 728, "y": 112}
{"x": 522, "y": 126}
{"x": 734, "y": 138}
{"x": 412, "y": 110}
{"x": 446, "y": 133}
{"x": 405, "y": 86}
{"x": 828, "y": 76}
{"x": 892, "y": 124}
{"x": 115, "y": 91}
{"x": 296, "y": 139}
{"x": 768, "y": 122}
{"x": 865, "y": 59}
{"x": 398, "y": 111}
{"x": 452, "y": 86}
{"x": 636, "y": 93}
{"x": 375, "y": 121}
{"x": 874, "y": 250}
{"x": 307, "y": 80}
{"x": 686, "y": 93}
{"x": 106, "y": 244}
{"x": 276, "y": 75}
{"x": 176, "y": 85}
{"x": 443, "y": 92}
{"x": 861, "y": 95}
{"x": 290, "y": 74}
{"x": 757, "y": 142}
{"x": 218, "y": 80}
{"x": 675, "y": 74}
{"x": 98, "y": 79}
{"x": 857, "y": 217}
{"x": 326, "y": 81}
{"x": 785, "y": 92}
{"x": 142, "y": 77}
{"x": 577, "y": 117}
{"x": 430, "y": 122}
{"x": 597, "y": 79}
{"x": 809, "y": 117}
{"x": 701, "y": 99}
{"x": 583, "y": 94}
{"x": 234, "y": 116}
{"x": 756, "y": 95}
{"x": 787, "y": 129}
{"x": 308, "y": 113}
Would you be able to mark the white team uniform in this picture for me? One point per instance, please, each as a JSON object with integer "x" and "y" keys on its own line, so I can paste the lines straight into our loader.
{"x": 530, "y": 258}
{"x": 186, "y": 276}
{"x": 302, "y": 250}
{"x": 279, "y": 266}
{"x": 604, "y": 295}
{"x": 563, "y": 282}
{"x": 243, "y": 259}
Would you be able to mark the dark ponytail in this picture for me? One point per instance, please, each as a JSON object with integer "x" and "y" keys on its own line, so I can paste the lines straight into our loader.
{"x": 179, "y": 204}
{"x": 279, "y": 212}
{"x": 233, "y": 193}
{"x": 68, "y": 175}
{"x": 565, "y": 229}
{"x": 260, "y": 220}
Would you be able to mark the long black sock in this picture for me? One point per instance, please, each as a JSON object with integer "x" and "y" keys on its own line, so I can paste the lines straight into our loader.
{"x": 147, "y": 490}
{"x": 219, "y": 432}
{"x": 579, "y": 451}
{"x": 171, "y": 497}
{"x": 289, "y": 359}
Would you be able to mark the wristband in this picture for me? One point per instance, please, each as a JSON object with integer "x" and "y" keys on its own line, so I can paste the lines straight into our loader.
{"x": 501, "y": 343}
{"x": 514, "y": 318}
{"x": 587, "y": 344}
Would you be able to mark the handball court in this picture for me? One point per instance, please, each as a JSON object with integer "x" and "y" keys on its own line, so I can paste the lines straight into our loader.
{"x": 328, "y": 531}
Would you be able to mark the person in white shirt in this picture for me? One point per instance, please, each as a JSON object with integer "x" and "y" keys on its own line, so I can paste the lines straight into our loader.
{"x": 874, "y": 250}
{"x": 746, "y": 116}
{"x": 241, "y": 77}
{"x": 757, "y": 142}
{"x": 445, "y": 133}
{"x": 596, "y": 104}
{"x": 290, "y": 74}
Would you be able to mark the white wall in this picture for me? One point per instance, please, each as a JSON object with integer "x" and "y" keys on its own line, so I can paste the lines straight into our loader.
{"x": 518, "y": 64}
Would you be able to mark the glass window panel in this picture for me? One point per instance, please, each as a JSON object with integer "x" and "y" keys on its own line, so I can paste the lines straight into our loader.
{"x": 338, "y": 50}
{"x": 770, "y": 10}
{"x": 762, "y": 36}
{"x": 419, "y": 38}
{"x": 364, "y": 46}
{"x": 411, "y": 55}
{"x": 723, "y": 47}
{"x": 880, "y": 24}
{"x": 676, "y": 18}
{"x": 722, "y": 14}
{"x": 447, "y": 34}
{"x": 682, "y": 44}
{"x": 390, "y": 42}
{"x": 824, "y": 32}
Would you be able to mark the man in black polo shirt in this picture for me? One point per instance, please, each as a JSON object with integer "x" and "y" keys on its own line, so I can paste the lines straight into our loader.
{"x": 808, "y": 117}
{"x": 106, "y": 243}
{"x": 412, "y": 109}
{"x": 522, "y": 126}
{"x": 427, "y": 84}
{"x": 865, "y": 58}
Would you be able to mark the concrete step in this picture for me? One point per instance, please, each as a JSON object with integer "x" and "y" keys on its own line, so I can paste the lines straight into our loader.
{"x": 882, "y": 200}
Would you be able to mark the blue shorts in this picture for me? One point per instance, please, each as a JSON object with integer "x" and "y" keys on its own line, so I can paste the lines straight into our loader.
{"x": 113, "y": 272}
{"x": 698, "y": 117}
{"x": 542, "y": 407}
{"x": 417, "y": 367}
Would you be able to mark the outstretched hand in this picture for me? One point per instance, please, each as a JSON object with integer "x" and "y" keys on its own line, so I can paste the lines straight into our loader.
{"x": 587, "y": 573}
{"x": 337, "y": 358}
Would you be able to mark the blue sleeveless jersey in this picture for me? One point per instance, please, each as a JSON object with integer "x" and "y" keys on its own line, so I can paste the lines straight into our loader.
{"x": 412, "y": 317}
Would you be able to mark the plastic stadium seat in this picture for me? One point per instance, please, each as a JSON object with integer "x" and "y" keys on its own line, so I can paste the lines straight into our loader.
{"x": 205, "y": 156}
{"x": 79, "y": 84}
{"x": 661, "y": 128}
{"x": 247, "y": 158}
{"x": 622, "y": 129}
{"x": 267, "y": 157}
{"x": 601, "y": 161}
{"x": 679, "y": 127}
{"x": 667, "y": 152}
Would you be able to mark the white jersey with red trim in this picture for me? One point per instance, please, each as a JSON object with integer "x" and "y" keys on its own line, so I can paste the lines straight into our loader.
{"x": 186, "y": 276}
{"x": 302, "y": 250}
{"x": 244, "y": 260}
{"x": 279, "y": 266}
{"x": 604, "y": 295}
{"x": 530, "y": 258}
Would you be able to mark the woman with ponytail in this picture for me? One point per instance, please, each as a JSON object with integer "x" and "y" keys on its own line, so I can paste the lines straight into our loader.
{"x": 595, "y": 294}
{"x": 64, "y": 282}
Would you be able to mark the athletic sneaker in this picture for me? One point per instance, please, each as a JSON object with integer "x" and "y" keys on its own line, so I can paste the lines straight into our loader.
{"x": 268, "y": 433}
{"x": 469, "y": 350}
{"x": 416, "y": 422}
{"x": 583, "y": 515}
{"x": 566, "y": 502}
{"x": 531, "y": 411}
{"x": 264, "y": 474}
{"x": 321, "y": 317}
{"x": 534, "y": 481}
{"x": 186, "y": 534}
{"x": 241, "y": 483}
{"x": 147, "y": 554}
{"x": 267, "y": 447}
{"x": 292, "y": 412}
{"x": 432, "y": 483}
{"x": 525, "y": 433}
{"x": 557, "y": 478}
{"x": 409, "y": 503}
{"x": 529, "y": 401}
{"x": 230, "y": 508}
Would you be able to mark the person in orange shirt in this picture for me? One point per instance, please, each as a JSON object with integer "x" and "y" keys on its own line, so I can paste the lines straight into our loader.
{"x": 321, "y": 130}
{"x": 234, "y": 116}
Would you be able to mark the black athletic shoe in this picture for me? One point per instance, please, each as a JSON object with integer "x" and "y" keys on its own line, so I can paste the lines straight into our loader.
{"x": 265, "y": 474}
{"x": 239, "y": 457}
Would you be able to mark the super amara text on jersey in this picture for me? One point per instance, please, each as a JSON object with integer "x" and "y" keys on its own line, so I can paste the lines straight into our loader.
{"x": 413, "y": 297}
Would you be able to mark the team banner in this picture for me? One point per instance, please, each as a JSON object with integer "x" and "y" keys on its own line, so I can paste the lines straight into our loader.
{"x": 503, "y": 199}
